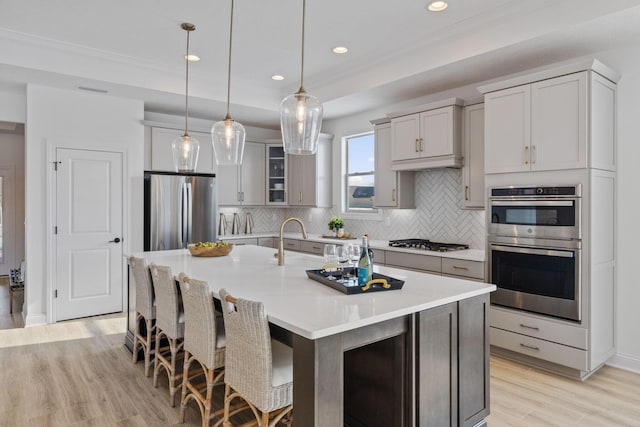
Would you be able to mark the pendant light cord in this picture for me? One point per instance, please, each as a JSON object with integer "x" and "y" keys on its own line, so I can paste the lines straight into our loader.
{"x": 188, "y": 28}
{"x": 304, "y": 7}
{"x": 229, "y": 66}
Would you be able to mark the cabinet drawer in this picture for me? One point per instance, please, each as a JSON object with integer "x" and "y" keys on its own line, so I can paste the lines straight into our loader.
{"x": 243, "y": 241}
{"x": 537, "y": 327}
{"x": 414, "y": 261}
{"x": 316, "y": 248}
{"x": 291, "y": 244}
{"x": 379, "y": 256}
{"x": 541, "y": 349}
{"x": 463, "y": 267}
{"x": 266, "y": 242}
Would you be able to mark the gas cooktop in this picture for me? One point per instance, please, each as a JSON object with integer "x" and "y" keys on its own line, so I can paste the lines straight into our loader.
{"x": 427, "y": 245}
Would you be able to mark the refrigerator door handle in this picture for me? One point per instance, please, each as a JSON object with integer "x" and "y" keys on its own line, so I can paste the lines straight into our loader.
{"x": 189, "y": 235}
{"x": 183, "y": 215}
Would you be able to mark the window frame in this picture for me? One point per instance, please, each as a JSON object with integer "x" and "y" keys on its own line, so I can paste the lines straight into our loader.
{"x": 367, "y": 214}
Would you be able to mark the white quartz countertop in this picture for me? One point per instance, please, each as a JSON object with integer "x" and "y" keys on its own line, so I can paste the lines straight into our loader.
{"x": 309, "y": 308}
{"x": 468, "y": 254}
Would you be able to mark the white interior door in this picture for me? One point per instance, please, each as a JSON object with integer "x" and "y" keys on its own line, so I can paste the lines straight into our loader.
{"x": 7, "y": 220}
{"x": 88, "y": 241}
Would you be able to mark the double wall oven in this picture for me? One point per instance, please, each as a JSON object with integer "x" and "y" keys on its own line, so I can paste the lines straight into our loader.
{"x": 535, "y": 249}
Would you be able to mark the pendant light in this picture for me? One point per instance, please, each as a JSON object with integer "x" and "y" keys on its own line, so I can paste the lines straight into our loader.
{"x": 228, "y": 135}
{"x": 300, "y": 115}
{"x": 186, "y": 148}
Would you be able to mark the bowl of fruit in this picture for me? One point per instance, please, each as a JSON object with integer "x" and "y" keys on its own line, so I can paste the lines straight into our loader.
{"x": 210, "y": 249}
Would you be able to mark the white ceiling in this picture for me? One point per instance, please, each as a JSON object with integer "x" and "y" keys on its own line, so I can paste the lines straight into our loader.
{"x": 398, "y": 50}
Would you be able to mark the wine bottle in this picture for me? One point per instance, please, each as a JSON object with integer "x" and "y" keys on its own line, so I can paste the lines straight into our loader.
{"x": 365, "y": 267}
{"x": 369, "y": 246}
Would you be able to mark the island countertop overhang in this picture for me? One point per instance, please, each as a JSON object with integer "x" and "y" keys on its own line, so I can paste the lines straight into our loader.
{"x": 306, "y": 307}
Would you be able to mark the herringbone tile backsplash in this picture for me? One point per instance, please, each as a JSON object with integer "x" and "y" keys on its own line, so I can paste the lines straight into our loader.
{"x": 438, "y": 215}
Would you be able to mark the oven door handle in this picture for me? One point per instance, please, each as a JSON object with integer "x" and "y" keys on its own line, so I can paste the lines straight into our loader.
{"x": 521, "y": 250}
{"x": 532, "y": 202}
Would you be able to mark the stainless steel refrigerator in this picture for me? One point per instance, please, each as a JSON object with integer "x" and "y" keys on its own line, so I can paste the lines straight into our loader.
{"x": 179, "y": 208}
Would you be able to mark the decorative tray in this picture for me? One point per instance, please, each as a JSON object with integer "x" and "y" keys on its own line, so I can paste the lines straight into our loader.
{"x": 345, "y": 281}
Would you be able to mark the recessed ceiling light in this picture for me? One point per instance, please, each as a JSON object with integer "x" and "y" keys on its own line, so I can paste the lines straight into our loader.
{"x": 277, "y": 77}
{"x": 340, "y": 49}
{"x": 437, "y": 6}
{"x": 191, "y": 57}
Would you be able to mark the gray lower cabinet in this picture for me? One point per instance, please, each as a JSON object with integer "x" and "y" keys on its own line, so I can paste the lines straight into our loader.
{"x": 452, "y": 359}
{"x": 267, "y": 242}
{"x": 436, "y": 366}
{"x": 473, "y": 360}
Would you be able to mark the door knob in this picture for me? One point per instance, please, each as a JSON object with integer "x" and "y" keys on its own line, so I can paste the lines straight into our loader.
{"x": 116, "y": 240}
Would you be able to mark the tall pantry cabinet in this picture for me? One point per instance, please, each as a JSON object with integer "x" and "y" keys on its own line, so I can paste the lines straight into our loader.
{"x": 554, "y": 127}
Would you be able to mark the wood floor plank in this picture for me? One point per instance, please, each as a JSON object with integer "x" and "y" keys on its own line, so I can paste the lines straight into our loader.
{"x": 78, "y": 373}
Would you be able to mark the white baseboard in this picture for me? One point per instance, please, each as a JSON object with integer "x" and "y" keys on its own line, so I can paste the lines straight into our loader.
{"x": 625, "y": 361}
{"x": 35, "y": 320}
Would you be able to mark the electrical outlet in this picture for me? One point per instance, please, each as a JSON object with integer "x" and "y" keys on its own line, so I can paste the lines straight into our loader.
{"x": 274, "y": 217}
{"x": 310, "y": 218}
{"x": 387, "y": 221}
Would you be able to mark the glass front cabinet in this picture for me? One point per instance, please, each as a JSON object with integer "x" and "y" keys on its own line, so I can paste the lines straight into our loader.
{"x": 276, "y": 175}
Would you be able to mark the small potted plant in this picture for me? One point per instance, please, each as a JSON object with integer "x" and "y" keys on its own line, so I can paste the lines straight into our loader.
{"x": 336, "y": 225}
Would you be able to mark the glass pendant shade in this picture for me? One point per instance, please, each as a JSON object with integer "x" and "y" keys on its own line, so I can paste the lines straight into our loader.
{"x": 300, "y": 123}
{"x": 185, "y": 153}
{"x": 228, "y": 141}
{"x": 227, "y": 136}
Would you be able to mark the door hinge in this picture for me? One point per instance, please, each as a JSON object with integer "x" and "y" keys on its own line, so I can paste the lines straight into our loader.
{"x": 55, "y": 165}
{"x": 55, "y": 293}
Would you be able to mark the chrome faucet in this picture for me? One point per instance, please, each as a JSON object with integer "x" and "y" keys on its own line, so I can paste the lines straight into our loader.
{"x": 280, "y": 254}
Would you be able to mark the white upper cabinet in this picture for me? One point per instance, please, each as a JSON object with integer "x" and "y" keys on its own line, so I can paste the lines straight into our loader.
{"x": 392, "y": 189}
{"x": 473, "y": 147}
{"x": 309, "y": 176}
{"x": 507, "y": 130}
{"x": 244, "y": 184}
{"x": 559, "y": 123}
{"x": 162, "y": 157}
{"x": 428, "y": 139}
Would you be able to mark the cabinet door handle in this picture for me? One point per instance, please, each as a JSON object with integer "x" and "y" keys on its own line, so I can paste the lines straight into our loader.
{"x": 393, "y": 195}
{"x": 526, "y": 154}
{"x": 300, "y": 197}
{"x": 238, "y": 196}
{"x": 535, "y": 328}
{"x": 530, "y": 347}
{"x": 417, "y": 146}
{"x": 421, "y": 147}
{"x": 455, "y": 267}
{"x": 466, "y": 192}
{"x": 534, "y": 154}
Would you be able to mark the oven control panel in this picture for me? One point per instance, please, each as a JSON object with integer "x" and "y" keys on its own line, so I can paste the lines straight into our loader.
{"x": 573, "y": 191}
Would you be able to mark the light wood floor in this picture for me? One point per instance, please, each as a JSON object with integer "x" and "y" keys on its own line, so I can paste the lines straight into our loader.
{"x": 78, "y": 373}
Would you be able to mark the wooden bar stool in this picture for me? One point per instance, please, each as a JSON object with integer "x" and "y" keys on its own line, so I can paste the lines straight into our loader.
{"x": 258, "y": 369}
{"x": 145, "y": 312}
{"x": 204, "y": 345}
{"x": 169, "y": 327}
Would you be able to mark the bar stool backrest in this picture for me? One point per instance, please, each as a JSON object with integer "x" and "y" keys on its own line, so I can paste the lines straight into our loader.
{"x": 200, "y": 335}
{"x": 249, "y": 366}
{"x": 167, "y": 301}
{"x": 144, "y": 289}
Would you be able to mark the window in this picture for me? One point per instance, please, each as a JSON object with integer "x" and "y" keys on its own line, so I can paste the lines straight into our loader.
{"x": 360, "y": 173}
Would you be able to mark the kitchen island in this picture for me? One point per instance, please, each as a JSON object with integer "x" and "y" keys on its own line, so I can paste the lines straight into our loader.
{"x": 436, "y": 329}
